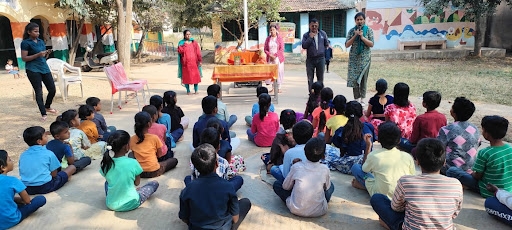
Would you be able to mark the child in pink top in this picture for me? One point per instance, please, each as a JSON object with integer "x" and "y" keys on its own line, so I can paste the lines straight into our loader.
{"x": 160, "y": 131}
{"x": 402, "y": 111}
{"x": 264, "y": 125}
{"x": 322, "y": 113}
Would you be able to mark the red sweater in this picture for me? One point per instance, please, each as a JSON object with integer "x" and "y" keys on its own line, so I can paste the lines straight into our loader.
{"x": 427, "y": 125}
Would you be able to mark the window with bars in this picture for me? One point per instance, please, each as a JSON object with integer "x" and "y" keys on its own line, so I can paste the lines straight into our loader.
{"x": 295, "y": 18}
{"x": 233, "y": 27}
{"x": 332, "y": 22}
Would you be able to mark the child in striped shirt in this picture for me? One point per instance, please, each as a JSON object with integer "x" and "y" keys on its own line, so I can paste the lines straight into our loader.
{"x": 493, "y": 164}
{"x": 426, "y": 201}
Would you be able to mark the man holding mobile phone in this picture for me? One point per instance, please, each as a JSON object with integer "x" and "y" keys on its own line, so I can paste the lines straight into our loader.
{"x": 315, "y": 41}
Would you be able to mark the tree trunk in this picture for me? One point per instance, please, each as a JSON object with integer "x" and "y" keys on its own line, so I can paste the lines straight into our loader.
{"x": 121, "y": 34}
{"x": 480, "y": 26}
{"x": 128, "y": 30}
{"x": 138, "y": 54}
{"x": 76, "y": 41}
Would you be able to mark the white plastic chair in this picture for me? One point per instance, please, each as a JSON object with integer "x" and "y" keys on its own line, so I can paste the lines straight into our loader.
{"x": 65, "y": 75}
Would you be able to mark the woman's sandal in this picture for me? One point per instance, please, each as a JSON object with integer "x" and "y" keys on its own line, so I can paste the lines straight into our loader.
{"x": 43, "y": 118}
{"x": 52, "y": 111}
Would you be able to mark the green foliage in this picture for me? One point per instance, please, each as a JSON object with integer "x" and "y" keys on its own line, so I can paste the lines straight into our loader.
{"x": 472, "y": 8}
{"x": 80, "y": 7}
{"x": 233, "y": 10}
{"x": 151, "y": 15}
{"x": 192, "y": 13}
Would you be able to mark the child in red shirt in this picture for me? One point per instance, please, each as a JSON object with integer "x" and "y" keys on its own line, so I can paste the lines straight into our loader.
{"x": 264, "y": 125}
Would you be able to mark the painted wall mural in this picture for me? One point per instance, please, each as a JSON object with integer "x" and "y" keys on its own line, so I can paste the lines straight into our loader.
{"x": 391, "y": 24}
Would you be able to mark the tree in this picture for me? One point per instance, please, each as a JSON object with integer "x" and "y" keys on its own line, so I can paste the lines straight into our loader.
{"x": 103, "y": 14}
{"x": 192, "y": 14}
{"x": 82, "y": 10}
{"x": 151, "y": 16}
{"x": 233, "y": 10}
{"x": 124, "y": 28}
{"x": 476, "y": 10}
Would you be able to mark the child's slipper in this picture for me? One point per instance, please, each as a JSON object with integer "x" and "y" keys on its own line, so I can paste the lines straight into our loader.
{"x": 53, "y": 111}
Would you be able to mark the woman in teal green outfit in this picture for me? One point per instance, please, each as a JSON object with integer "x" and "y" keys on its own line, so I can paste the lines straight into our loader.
{"x": 360, "y": 40}
{"x": 189, "y": 62}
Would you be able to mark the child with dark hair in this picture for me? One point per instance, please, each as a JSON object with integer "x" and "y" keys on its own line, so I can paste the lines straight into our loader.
{"x": 381, "y": 168}
{"x": 99, "y": 120}
{"x": 178, "y": 120}
{"x": 78, "y": 140}
{"x": 426, "y": 125}
{"x": 147, "y": 147}
{"x": 122, "y": 174}
{"x": 14, "y": 208}
{"x": 302, "y": 132}
{"x": 402, "y": 111}
{"x": 461, "y": 137}
{"x": 38, "y": 165}
{"x": 323, "y": 112}
{"x": 86, "y": 115}
{"x": 61, "y": 147}
{"x": 377, "y": 104}
{"x": 313, "y": 100}
{"x": 211, "y": 136}
{"x": 493, "y": 164}
{"x": 308, "y": 187}
{"x": 160, "y": 131}
{"x": 219, "y": 207}
{"x": 350, "y": 139}
{"x": 163, "y": 118}
{"x": 265, "y": 124}
{"x": 338, "y": 120}
{"x": 282, "y": 142}
{"x": 429, "y": 200}
{"x": 222, "y": 109}
{"x": 256, "y": 107}
{"x": 328, "y": 56}
{"x": 236, "y": 162}
{"x": 500, "y": 205}
{"x": 209, "y": 105}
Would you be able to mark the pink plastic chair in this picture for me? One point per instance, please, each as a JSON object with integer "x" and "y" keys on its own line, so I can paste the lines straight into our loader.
{"x": 119, "y": 82}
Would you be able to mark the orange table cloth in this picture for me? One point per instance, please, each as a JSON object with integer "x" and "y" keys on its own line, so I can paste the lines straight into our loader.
{"x": 244, "y": 73}
{"x": 245, "y": 56}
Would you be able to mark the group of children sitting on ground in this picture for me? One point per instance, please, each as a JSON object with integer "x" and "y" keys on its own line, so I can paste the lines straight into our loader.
{"x": 331, "y": 134}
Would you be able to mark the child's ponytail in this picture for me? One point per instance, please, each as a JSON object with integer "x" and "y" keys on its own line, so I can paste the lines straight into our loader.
{"x": 169, "y": 99}
{"x": 353, "y": 130}
{"x": 326, "y": 95}
{"x": 116, "y": 141}
{"x": 264, "y": 101}
{"x": 142, "y": 120}
{"x": 338, "y": 104}
{"x": 316, "y": 88}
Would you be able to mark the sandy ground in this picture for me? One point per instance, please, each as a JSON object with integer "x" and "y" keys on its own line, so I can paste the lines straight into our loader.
{"x": 80, "y": 204}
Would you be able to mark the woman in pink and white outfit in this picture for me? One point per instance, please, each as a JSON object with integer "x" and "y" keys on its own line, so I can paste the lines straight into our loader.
{"x": 274, "y": 49}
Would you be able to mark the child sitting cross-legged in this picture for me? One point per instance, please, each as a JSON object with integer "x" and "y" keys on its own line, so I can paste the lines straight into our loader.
{"x": 308, "y": 187}
{"x": 493, "y": 164}
{"x": 178, "y": 120}
{"x": 426, "y": 201}
{"x": 461, "y": 137}
{"x": 256, "y": 106}
{"x": 210, "y": 202}
{"x": 339, "y": 119}
{"x": 302, "y": 132}
{"x": 382, "y": 168}
{"x": 426, "y": 125}
{"x": 61, "y": 147}
{"x": 322, "y": 113}
{"x": 282, "y": 142}
{"x": 500, "y": 205}
{"x": 99, "y": 120}
{"x": 160, "y": 131}
{"x": 164, "y": 119}
{"x": 14, "y": 208}
{"x": 38, "y": 165}
{"x": 350, "y": 139}
{"x": 265, "y": 124}
{"x": 78, "y": 140}
{"x": 222, "y": 109}
{"x": 122, "y": 174}
{"x": 211, "y": 136}
{"x": 402, "y": 111}
{"x": 147, "y": 147}
{"x": 86, "y": 115}
{"x": 236, "y": 162}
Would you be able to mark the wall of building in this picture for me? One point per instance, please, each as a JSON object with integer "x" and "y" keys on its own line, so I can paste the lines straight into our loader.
{"x": 394, "y": 20}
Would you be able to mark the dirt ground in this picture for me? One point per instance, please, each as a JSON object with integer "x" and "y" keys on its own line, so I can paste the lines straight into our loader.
{"x": 80, "y": 204}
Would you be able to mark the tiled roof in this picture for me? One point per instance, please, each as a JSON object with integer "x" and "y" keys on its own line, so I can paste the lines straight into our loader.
{"x": 314, "y": 5}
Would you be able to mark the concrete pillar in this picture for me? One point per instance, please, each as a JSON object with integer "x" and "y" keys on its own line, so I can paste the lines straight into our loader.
{"x": 18, "y": 28}
{"x": 216, "y": 29}
{"x": 262, "y": 31}
{"x": 59, "y": 41}
{"x": 304, "y": 24}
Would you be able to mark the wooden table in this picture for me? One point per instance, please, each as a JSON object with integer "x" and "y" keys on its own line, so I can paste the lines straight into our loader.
{"x": 244, "y": 73}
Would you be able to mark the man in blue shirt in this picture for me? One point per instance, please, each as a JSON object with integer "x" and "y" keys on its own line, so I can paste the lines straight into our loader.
{"x": 210, "y": 202}
{"x": 315, "y": 42}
